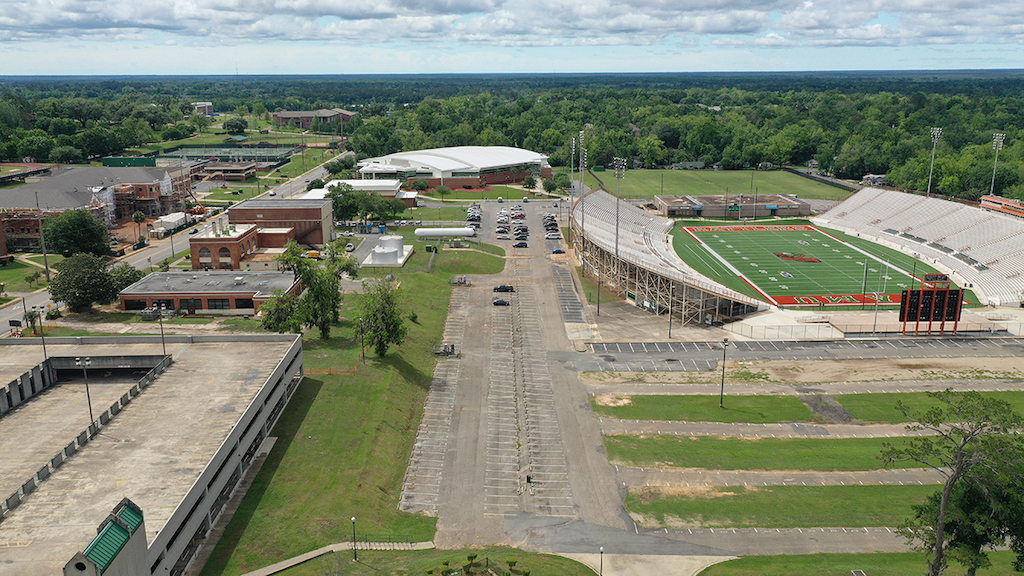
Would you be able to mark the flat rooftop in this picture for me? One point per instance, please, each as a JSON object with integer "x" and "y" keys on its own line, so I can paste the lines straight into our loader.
{"x": 230, "y": 231}
{"x": 213, "y": 282}
{"x": 152, "y": 452}
{"x": 266, "y": 203}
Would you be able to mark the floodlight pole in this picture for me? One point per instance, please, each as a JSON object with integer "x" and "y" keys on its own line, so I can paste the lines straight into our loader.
{"x": 997, "y": 145}
{"x": 583, "y": 161}
{"x": 620, "y": 168}
{"x": 936, "y": 132}
{"x": 355, "y": 555}
{"x": 721, "y": 396}
{"x": 572, "y": 167}
{"x": 583, "y": 211}
{"x": 600, "y": 570}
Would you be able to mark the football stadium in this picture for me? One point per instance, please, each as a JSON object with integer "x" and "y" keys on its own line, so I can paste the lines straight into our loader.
{"x": 863, "y": 252}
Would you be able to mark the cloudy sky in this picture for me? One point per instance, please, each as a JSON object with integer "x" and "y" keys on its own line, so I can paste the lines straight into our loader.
{"x": 441, "y": 36}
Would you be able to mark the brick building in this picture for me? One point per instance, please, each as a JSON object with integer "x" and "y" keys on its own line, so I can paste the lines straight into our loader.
{"x": 312, "y": 220}
{"x": 232, "y": 246}
{"x": 304, "y": 118}
{"x": 215, "y": 291}
{"x": 5, "y": 259}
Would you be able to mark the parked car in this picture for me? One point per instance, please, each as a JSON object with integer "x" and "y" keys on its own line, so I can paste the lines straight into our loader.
{"x": 348, "y": 233}
{"x": 500, "y": 302}
{"x": 504, "y": 288}
{"x": 519, "y": 245}
{"x": 553, "y": 236}
{"x": 522, "y": 237}
{"x": 350, "y": 247}
{"x": 558, "y": 251}
{"x": 502, "y": 237}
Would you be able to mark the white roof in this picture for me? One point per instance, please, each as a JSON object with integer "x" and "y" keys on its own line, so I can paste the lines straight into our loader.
{"x": 457, "y": 159}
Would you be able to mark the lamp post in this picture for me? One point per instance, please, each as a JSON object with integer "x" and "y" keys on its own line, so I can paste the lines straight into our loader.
{"x": 583, "y": 161}
{"x": 600, "y": 570}
{"x": 84, "y": 363}
{"x": 362, "y": 347}
{"x": 160, "y": 316}
{"x": 42, "y": 329}
{"x": 572, "y": 167}
{"x": 355, "y": 556}
{"x": 936, "y": 132}
{"x": 583, "y": 209}
{"x": 721, "y": 396}
{"x": 997, "y": 145}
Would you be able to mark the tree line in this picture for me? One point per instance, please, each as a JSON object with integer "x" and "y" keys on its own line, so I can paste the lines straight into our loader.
{"x": 851, "y": 124}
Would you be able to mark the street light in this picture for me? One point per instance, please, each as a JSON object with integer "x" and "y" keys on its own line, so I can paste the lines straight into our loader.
{"x": 721, "y": 396}
{"x": 997, "y": 145}
{"x": 84, "y": 363}
{"x": 600, "y": 571}
{"x": 355, "y": 556}
{"x": 160, "y": 316}
{"x": 936, "y": 132}
{"x": 42, "y": 329}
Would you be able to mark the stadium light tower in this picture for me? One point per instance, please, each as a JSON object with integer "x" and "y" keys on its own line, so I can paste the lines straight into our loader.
{"x": 572, "y": 167}
{"x": 620, "y": 169}
{"x": 997, "y": 145}
{"x": 936, "y": 132}
{"x": 583, "y": 161}
{"x": 583, "y": 211}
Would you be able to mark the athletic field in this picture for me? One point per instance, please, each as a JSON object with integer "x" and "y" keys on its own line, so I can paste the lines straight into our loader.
{"x": 799, "y": 265}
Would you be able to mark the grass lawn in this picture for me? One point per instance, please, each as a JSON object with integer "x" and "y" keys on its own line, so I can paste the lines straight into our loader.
{"x": 53, "y": 259}
{"x": 882, "y": 407}
{"x": 303, "y": 162}
{"x": 344, "y": 439}
{"x": 876, "y": 564}
{"x": 237, "y": 323}
{"x": 444, "y": 214}
{"x": 13, "y": 275}
{"x": 776, "y": 506}
{"x": 724, "y": 453}
{"x": 58, "y": 331}
{"x": 418, "y": 562}
{"x": 642, "y": 183}
{"x": 754, "y": 409}
{"x": 513, "y": 195}
{"x": 5, "y": 300}
{"x": 590, "y": 288}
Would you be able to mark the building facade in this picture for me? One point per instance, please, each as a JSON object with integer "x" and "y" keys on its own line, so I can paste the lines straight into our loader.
{"x": 312, "y": 220}
{"x": 218, "y": 292}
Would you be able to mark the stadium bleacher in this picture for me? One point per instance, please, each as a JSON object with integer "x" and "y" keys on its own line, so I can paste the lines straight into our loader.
{"x": 980, "y": 247}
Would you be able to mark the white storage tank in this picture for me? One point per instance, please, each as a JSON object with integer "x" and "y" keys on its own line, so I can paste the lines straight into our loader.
{"x": 382, "y": 255}
{"x": 392, "y": 241}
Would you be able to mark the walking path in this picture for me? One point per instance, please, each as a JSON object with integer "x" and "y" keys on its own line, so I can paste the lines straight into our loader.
{"x": 339, "y": 547}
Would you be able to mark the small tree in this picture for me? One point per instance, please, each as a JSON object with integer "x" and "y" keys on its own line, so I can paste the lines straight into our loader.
{"x": 382, "y": 316}
{"x": 418, "y": 184}
{"x": 31, "y": 278}
{"x": 81, "y": 281}
{"x": 550, "y": 186}
{"x": 314, "y": 184}
{"x": 971, "y": 440}
{"x": 442, "y": 191}
{"x": 31, "y": 316}
{"x": 530, "y": 182}
{"x": 124, "y": 275}
{"x": 235, "y": 125}
{"x": 280, "y": 313}
{"x": 138, "y": 217}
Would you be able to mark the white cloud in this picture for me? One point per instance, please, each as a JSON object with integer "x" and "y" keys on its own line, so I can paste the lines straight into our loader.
{"x": 440, "y": 27}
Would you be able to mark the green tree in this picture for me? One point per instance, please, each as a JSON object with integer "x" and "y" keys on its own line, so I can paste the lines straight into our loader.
{"x": 382, "y": 319}
{"x": 314, "y": 184}
{"x": 280, "y": 313}
{"x": 318, "y": 306}
{"x": 235, "y": 125}
{"x": 529, "y": 182}
{"x": 31, "y": 278}
{"x": 199, "y": 121}
{"x": 971, "y": 440}
{"x": 550, "y": 186}
{"x": 66, "y": 155}
{"x": 75, "y": 231}
{"x": 31, "y": 316}
{"x": 259, "y": 110}
{"x": 419, "y": 185}
{"x": 442, "y": 191}
{"x": 81, "y": 281}
{"x": 138, "y": 217}
{"x": 124, "y": 275}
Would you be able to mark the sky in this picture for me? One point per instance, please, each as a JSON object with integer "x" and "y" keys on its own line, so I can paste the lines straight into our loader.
{"x": 70, "y": 37}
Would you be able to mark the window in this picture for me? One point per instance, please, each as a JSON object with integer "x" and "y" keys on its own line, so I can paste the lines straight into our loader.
{"x": 244, "y": 303}
{"x": 218, "y": 304}
{"x": 188, "y": 303}
{"x": 134, "y": 304}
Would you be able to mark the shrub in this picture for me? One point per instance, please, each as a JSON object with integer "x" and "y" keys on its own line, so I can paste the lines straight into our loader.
{"x": 471, "y": 557}
{"x": 413, "y": 317}
{"x": 53, "y": 314}
{"x": 511, "y": 561}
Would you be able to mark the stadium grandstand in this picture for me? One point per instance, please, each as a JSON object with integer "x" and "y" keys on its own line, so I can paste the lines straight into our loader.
{"x": 979, "y": 248}
{"x": 474, "y": 166}
{"x": 647, "y": 270}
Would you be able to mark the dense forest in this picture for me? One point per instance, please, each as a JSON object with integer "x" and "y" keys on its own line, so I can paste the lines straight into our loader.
{"x": 850, "y": 123}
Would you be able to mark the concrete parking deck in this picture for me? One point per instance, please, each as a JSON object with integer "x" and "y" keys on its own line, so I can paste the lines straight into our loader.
{"x": 151, "y": 452}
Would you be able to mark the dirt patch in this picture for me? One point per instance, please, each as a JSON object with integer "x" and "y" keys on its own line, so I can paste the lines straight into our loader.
{"x": 650, "y": 493}
{"x": 613, "y": 401}
{"x": 827, "y": 409}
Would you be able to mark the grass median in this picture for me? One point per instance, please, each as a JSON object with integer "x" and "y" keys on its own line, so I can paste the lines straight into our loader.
{"x": 882, "y": 407}
{"x": 773, "y": 506}
{"x": 344, "y": 439}
{"x": 876, "y": 564}
{"x": 726, "y": 453}
{"x": 695, "y": 408}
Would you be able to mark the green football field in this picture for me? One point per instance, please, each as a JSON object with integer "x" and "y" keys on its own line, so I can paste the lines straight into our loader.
{"x": 800, "y": 265}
